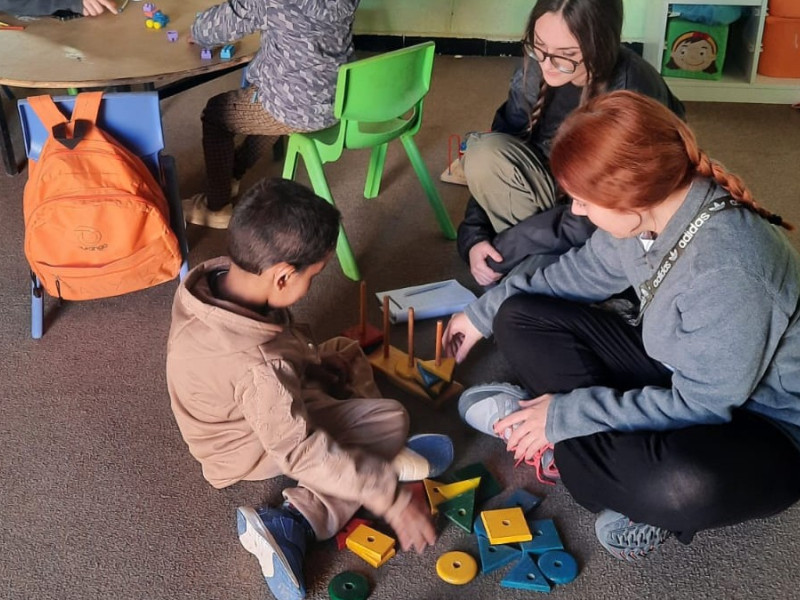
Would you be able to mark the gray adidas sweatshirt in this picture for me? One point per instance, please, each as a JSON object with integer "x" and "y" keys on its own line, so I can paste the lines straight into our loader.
{"x": 303, "y": 44}
{"x": 725, "y": 319}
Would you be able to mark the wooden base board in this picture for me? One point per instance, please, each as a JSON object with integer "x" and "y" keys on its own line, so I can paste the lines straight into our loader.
{"x": 388, "y": 366}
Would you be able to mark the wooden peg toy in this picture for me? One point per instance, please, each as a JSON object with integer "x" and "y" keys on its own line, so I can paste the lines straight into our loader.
{"x": 365, "y": 334}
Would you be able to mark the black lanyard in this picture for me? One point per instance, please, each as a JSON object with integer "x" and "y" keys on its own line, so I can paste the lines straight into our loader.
{"x": 647, "y": 290}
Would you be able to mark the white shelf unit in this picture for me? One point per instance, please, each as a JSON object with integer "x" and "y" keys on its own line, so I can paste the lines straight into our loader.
{"x": 740, "y": 79}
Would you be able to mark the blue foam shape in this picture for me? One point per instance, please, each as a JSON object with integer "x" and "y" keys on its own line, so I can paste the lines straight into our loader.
{"x": 525, "y": 575}
{"x": 522, "y": 498}
{"x": 558, "y": 566}
{"x": 429, "y": 378}
{"x": 479, "y": 528}
{"x": 494, "y": 556}
{"x": 545, "y": 537}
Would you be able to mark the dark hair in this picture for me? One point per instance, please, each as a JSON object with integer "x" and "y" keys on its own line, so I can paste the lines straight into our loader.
{"x": 278, "y": 220}
{"x": 625, "y": 150}
{"x": 597, "y": 25}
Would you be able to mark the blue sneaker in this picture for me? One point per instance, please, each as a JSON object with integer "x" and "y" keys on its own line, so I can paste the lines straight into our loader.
{"x": 482, "y": 406}
{"x": 436, "y": 448}
{"x": 625, "y": 539}
{"x": 277, "y": 539}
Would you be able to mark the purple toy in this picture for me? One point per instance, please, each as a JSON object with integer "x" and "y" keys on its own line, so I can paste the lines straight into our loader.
{"x": 205, "y": 54}
{"x": 172, "y": 35}
{"x": 148, "y": 8}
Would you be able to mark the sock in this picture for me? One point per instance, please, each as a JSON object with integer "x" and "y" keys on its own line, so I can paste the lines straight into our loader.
{"x": 410, "y": 466}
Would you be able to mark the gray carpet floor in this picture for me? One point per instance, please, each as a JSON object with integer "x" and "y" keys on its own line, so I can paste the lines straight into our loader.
{"x": 100, "y": 498}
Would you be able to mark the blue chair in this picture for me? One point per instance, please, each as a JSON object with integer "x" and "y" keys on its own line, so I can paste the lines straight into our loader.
{"x": 134, "y": 119}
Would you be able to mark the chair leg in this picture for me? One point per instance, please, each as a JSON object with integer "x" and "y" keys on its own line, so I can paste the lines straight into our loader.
{"x": 375, "y": 171}
{"x": 430, "y": 189}
{"x": 317, "y": 176}
{"x": 176, "y": 218}
{"x": 9, "y": 162}
{"x": 37, "y": 308}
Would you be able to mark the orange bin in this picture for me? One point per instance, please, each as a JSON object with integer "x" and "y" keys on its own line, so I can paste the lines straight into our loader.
{"x": 780, "y": 56}
{"x": 789, "y": 9}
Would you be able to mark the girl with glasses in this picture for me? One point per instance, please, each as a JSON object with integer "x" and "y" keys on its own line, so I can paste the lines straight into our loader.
{"x": 572, "y": 52}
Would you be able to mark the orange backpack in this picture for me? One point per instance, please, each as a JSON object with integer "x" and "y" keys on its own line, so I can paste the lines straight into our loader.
{"x": 96, "y": 220}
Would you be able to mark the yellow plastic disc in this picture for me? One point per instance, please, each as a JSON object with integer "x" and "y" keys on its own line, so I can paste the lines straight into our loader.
{"x": 457, "y": 568}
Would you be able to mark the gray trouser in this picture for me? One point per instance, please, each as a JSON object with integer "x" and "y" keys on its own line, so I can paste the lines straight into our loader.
{"x": 507, "y": 179}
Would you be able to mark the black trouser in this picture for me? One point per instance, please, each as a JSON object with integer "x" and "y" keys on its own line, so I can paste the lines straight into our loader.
{"x": 683, "y": 480}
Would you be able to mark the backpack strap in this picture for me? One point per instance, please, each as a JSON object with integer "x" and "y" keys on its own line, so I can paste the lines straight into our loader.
{"x": 47, "y": 111}
{"x": 87, "y": 106}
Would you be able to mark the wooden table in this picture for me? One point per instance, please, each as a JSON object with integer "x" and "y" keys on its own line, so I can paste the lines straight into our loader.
{"x": 110, "y": 50}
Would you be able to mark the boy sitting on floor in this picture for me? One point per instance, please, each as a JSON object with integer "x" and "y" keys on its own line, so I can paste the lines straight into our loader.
{"x": 254, "y": 398}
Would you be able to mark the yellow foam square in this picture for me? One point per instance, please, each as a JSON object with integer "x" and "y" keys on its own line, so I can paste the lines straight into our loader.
{"x": 506, "y": 525}
{"x": 368, "y": 542}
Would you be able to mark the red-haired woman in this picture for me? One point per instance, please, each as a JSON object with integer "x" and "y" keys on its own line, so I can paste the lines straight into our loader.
{"x": 657, "y": 422}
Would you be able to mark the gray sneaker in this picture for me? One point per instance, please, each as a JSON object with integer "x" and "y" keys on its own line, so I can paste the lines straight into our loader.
{"x": 481, "y": 406}
{"x": 625, "y": 539}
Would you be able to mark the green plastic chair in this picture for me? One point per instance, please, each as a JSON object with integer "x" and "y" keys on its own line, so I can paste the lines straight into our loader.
{"x": 378, "y": 99}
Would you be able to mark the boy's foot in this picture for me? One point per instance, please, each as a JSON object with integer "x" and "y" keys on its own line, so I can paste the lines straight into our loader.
{"x": 196, "y": 211}
{"x": 625, "y": 539}
{"x": 277, "y": 538}
{"x": 481, "y": 406}
{"x": 426, "y": 455}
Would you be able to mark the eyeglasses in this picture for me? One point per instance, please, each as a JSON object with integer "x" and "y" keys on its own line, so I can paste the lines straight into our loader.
{"x": 562, "y": 63}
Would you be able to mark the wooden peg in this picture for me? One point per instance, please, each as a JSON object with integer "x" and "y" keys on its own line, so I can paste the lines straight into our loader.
{"x": 386, "y": 326}
{"x": 439, "y": 332}
{"x": 362, "y": 323}
{"x": 411, "y": 337}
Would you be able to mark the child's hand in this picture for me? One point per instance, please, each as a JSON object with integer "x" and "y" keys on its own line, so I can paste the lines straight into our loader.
{"x": 94, "y": 8}
{"x": 413, "y": 527}
{"x": 333, "y": 373}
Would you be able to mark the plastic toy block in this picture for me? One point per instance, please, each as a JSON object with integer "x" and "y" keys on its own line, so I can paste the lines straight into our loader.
{"x": 493, "y": 556}
{"x": 386, "y": 365}
{"x": 506, "y": 525}
{"x": 558, "y": 566}
{"x": 348, "y": 585}
{"x": 545, "y": 538}
{"x": 371, "y": 545}
{"x": 435, "y": 497}
{"x": 425, "y": 377}
{"x": 205, "y": 54}
{"x": 227, "y": 52}
{"x": 456, "y": 568}
{"x": 522, "y": 498}
{"x": 480, "y": 528}
{"x": 489, "y": 486}
{"x": 369, "y": 337}
{"x": 525, "y": 575}
{"x": 451, "y": 490}
{"x": 172, "y": 35}
{"x": 149, "y": 9}
{"x": 341, "y": 537}
{"x": 460, "y": 510}
{"x": 443, "y": 371}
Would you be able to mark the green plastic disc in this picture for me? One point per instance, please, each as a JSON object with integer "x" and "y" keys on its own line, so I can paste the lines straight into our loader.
{"x": 348, "y": 586}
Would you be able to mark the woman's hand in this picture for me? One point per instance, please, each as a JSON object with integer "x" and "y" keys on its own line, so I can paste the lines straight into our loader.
{"x": 460, "y": 336}
{"x": 526, "y": 426}
{"x": 480, "y": 269}
{"x": 94, "y": 8}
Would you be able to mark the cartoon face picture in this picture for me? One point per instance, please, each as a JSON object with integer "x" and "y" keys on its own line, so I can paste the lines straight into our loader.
{"x": 694, "y": 51}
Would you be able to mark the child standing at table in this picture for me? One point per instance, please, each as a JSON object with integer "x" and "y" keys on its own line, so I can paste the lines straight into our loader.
{"x": 254, "y": 398}
{"x": 292, "y": 84}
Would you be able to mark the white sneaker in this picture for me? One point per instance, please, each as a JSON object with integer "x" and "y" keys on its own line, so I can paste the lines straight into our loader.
{"x": 481, "y": 406}
{"x": 196, "y": 211}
